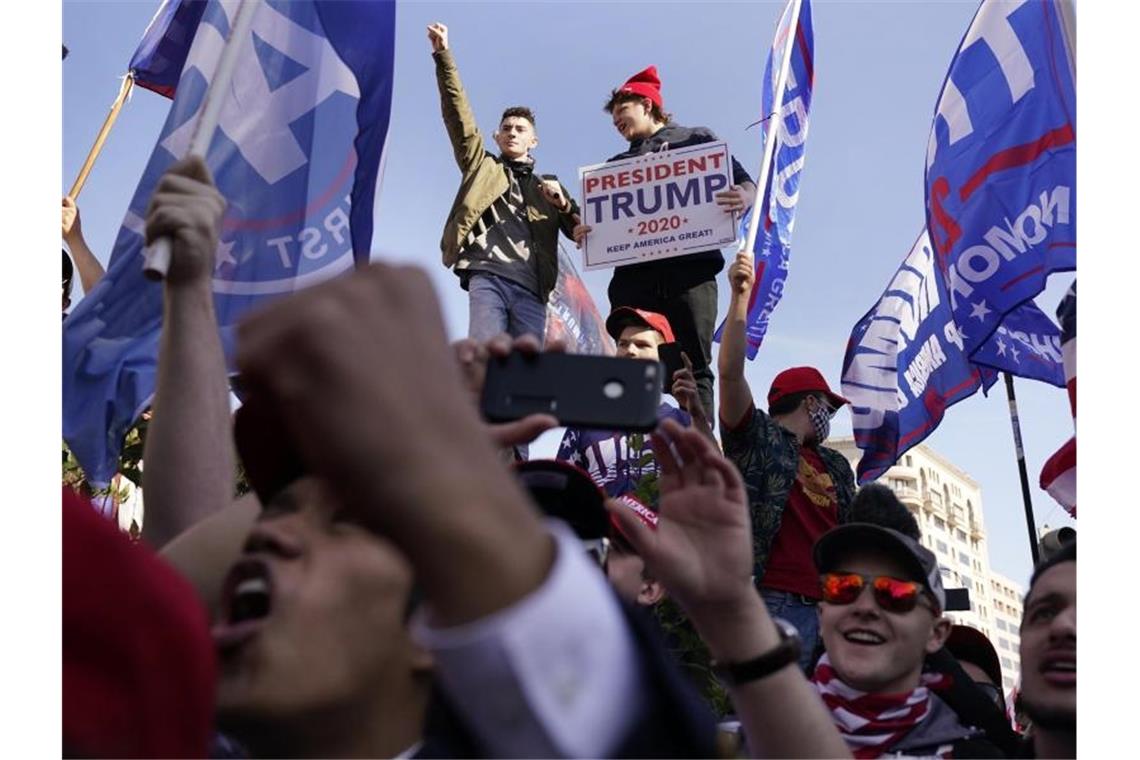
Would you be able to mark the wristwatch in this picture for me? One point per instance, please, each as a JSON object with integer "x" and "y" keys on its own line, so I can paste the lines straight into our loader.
{"x": 785, "y": 653}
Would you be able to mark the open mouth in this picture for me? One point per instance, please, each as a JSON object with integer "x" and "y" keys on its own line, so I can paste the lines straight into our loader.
{"x": 247, "y": 599}
{"x": 1060, "y": 669}
{"x": 863, "y": 637}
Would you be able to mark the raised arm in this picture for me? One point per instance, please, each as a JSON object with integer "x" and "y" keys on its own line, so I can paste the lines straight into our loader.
{"x": 90, "y": 270}
{"x": 463, "y": 131}
{"x": 189, "y": 460}
{"x": 702, "y": 552}
{"x": 735, "y": 395}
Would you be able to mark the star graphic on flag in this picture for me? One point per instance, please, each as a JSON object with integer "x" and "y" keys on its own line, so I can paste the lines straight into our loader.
{"x": 980, "y": 311}
{"x": 224, "y": 254}
{"x": 1001, "y": 347}
{"x": 1015, "y": 352}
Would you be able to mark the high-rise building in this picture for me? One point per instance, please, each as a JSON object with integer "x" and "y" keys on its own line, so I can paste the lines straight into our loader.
{"x": 947, "y": 503}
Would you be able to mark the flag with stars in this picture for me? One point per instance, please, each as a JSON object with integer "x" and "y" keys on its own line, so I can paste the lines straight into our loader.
{"x": 297, "y": 155}
{"x": 776, "y": 202}
{"x": 905, "y": 364}
{"x": 1027, "y": 344}
{"x": 1001, "y": 163}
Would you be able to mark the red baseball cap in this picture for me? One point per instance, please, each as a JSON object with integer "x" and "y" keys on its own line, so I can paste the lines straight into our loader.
{"x": 647, "y": 515}
{"x": 564, "y": 490}
{"x": 645, "y": 83}
{"x": 624, "y": 316}
{"x": 138, "y": 661}
{"x": 799, "y": 380}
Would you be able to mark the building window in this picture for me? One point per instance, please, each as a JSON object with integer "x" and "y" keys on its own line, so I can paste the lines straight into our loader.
{"x": 1003, "y": 643}
{"x": 1006, "y": 663}
{"x": 942, "y": 547}
{"x": 966, "y": 581}
{"x": 939, "y": 523}
{"x": 961, "y": 534}
{"x": 1008, "y": 682}
{"x": 964, "y": 558}
{"x": 1001, "y": 625}
{"x": 908, "y": 464}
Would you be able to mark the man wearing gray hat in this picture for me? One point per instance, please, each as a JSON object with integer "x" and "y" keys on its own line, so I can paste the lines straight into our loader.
{"x": 880, "y": 616}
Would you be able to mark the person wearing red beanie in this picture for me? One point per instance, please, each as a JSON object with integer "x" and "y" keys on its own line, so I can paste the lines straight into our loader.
{"x": 683, "y": 288}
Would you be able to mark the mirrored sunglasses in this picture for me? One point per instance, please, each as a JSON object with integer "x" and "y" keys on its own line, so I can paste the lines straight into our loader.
{"x": 892, "y": 594}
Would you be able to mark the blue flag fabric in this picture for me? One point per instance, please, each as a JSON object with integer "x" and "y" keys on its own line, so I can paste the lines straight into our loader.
{"x": 161, "y": 54}
{"x": 1027, "y": 344}
{"x": 777, "y": 201}
{"x": 1001, "y": 164}
{"x": 297, "y": 155}
{"x": 905, "y": 364}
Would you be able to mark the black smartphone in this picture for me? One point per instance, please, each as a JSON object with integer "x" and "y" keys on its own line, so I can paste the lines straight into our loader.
{"x": 266, "y": 454}
{"x": 601, "y": 392}
{"x": 670, "y": 356}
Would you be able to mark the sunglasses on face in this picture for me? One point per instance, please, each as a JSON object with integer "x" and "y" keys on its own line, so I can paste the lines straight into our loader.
{"x": 892, "y": 594}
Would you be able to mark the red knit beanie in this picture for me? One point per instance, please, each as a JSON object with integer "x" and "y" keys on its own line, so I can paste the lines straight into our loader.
{"x": 645, "y": 83}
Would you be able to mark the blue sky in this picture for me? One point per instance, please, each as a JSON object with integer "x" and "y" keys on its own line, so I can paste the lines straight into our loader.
{"x": 879, "y": 66}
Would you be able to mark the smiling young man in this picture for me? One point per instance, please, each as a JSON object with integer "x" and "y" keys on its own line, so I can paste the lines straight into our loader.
{"x": 683, "y": 288}
{"x": 501, "y": 237}
{"x": 1049, "y": 655}
{"x": 881, "y": 615}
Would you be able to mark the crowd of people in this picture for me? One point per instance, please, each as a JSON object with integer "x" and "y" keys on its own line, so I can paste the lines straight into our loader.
{"x": 404, "y": 581}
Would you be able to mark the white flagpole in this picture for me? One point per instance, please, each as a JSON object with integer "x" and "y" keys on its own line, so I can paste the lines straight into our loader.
{"x": 157, "y": 256}
{"x": 773, "y": 126}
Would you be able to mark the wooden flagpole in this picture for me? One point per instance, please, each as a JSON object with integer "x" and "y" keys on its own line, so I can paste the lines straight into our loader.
{"x": 124, "y": 93}
{"x": 157, "y": 256}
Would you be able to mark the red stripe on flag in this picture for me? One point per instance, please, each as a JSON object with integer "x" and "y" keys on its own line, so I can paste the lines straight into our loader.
{"x": 1018, "y": 155}
{"x": 1022, "y": 276}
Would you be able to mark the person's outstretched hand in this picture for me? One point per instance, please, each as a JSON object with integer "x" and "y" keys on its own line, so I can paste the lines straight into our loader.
{"x": 702, "y": 548}
{"x": 437, "y": 35}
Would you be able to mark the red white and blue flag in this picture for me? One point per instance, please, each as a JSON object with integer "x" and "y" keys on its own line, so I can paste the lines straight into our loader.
{"x": 1001, "y": 164}
{"x": 297, "y": 155}
{"x": 1059, "y": 475}
{"x": 1001, "y": 214}
{"x": 776, "y": 202}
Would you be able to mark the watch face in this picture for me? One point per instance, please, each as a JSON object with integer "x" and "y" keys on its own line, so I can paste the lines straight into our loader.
{"x": 787, "y": 629}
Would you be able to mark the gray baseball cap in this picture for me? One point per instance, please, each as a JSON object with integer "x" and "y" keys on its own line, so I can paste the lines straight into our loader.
{"x": 921, "y": 564}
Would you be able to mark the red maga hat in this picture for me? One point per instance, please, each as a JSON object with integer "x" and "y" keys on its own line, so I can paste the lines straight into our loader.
{"x": 624, "y": 316}
{"x": 645, "y": 83}
{"x": 799, "y": 380}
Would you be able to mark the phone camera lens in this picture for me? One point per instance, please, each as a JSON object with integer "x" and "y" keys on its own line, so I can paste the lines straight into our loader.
{"x": 613, "y": 389}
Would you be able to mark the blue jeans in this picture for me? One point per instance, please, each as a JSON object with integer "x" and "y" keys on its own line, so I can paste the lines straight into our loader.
{"x": 500, "y": 305}
{"x": 801, "y": 612}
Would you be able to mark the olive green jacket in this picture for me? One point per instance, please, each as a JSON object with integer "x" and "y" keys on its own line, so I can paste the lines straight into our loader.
{"x": 485, "y": 179}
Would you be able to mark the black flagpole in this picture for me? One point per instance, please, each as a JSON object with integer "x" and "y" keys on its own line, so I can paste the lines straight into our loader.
{"x": 1021, "y": 467}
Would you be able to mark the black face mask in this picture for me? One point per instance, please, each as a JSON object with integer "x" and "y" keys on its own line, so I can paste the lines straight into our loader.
{"x": 820, "y": 416}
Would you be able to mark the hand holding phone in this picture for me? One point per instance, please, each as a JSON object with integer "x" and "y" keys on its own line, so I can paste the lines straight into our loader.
{"x": 599, "y": 392}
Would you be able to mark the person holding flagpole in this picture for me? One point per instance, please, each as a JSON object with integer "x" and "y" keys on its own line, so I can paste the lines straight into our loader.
{"x": 798, "y": 489}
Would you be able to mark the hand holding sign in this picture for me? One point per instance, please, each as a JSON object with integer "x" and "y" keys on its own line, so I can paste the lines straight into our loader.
{"x": 580, "y": 233}
{"x": 735, "y": 199}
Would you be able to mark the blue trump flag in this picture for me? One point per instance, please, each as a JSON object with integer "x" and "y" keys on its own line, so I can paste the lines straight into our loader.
{"x": 1001, "y": 164}
{"x": 297, "y": 154}
{"x": 1027, "y": 344}
{"x": 161, "y": 54}
{"x": 777, "y": 201}
{"x": 905, "y": 364}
